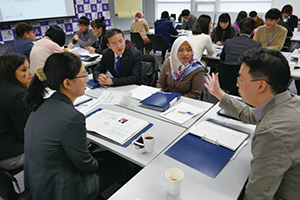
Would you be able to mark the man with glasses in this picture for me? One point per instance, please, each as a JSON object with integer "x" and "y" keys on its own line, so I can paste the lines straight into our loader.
{"x": 122, "y": 61}
{"x": 83, "y": 36}
{"x": 263, "y": 83}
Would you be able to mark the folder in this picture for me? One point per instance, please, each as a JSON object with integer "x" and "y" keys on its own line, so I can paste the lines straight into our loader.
{"x": 128, "y": 137}
{"x": 200, "y": 154}
{"x": 160, "y": 101}
{"x": 92, "y": 84}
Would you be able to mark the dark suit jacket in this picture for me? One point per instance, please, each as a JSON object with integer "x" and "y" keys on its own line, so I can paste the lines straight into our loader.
{"x": 58, "y": 164}
{"x": 235, "y": 47}
{"x": 130, "y": 67}
{"x": 293, "y": 22}
{"x": 165, "y": 28}
{"x": 13, "y": 117}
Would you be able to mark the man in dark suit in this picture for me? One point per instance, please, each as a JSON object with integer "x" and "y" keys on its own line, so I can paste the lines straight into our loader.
{"x": 235, "y": 47}
{"x": 122, "y": 61}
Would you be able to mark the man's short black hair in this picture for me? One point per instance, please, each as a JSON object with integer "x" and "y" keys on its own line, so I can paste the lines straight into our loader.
{"x": 84, "y": 20}
{"x": 269, "y": 65}
{"x": 112, "y": 32}
{"x": 56, "y": 34}
{"x": 247, "y": 25}
{"x": 23, "y": 28}
{"x": 185, "y": 12}
{"x": 165, "y": 14}
{"x": 273, "y": 13}
{"x": 253, "y": 14}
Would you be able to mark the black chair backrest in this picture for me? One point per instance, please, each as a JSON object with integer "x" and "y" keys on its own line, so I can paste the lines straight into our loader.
{"x": 227, "y": 77}
{"x": 7, "y": 190}
{"x": 137, "y": 40}
{"x": 149, "y": 72}
{"x": 158, "y": 42}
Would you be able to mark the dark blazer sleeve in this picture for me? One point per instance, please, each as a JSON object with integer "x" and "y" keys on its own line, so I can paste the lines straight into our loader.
{"x": 19, "y": 114}
{"x": 107, "y": 61}
{"x": 75, "y": 144}
{"x": 130, "y": 69}
{"x": 173, "y": 31}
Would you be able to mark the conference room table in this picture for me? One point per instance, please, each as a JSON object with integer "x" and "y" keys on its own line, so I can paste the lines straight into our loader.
{"x": 166, "y": 131}
{"x": 150, "y": 183}
{"x": 293, "y": 58}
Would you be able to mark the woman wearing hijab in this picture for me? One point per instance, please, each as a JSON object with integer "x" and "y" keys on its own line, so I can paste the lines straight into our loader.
{"x": 181, "y": 72}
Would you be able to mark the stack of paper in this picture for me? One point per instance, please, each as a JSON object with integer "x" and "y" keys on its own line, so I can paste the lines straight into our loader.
{"x": 115, "y": 126}
{"x": 182, "y": 112}
{"x": 143, "y": 91}
{"x": 85, "y": 104}
{"x": 110, "y": 97}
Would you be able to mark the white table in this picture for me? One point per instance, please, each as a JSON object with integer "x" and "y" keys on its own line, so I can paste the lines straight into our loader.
{"x": 293, "y": 59}
{"x": 134, "y": 106}
{"x": 85, "y": 52}
{"x": 150, "y": 182}
{"x": 166, "y": 132}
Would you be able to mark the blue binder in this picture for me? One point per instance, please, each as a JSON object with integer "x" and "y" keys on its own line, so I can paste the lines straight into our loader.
{"x": 92, "y": 84}
{"x": 128, "y": 142}
{"x": 160, "y": 101}
{"x": 201, "y": 155}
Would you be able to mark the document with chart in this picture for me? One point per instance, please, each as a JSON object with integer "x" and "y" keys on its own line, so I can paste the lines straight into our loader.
{"x": 182, "y": 112}
{"x": 115, "y": 126}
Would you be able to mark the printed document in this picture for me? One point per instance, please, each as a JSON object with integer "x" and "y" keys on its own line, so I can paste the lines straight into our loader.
{"x": 143, "y": 91}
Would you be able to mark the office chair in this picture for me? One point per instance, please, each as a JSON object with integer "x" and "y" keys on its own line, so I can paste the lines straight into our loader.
{"x": 7, "y": 190}
{"x": 227, "y": 77}
{"x": 159, "y": 43}
{"x": 150, "y": 69}
{"x": 138, "y": 41}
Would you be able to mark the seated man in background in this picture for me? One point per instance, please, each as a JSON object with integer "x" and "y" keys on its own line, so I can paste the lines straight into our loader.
{"x": 83, "y": 36}
{"x": 263, "y": 83}
{"x": 189, "y": 20}
{"x": 271, "y": 36}
{"x": 235, "y": 47}
{"x": 122, "y": 61}
{"x": 258, "y": 21}
{"x": 164, "y": 27}
{"x": 23, "y": 42}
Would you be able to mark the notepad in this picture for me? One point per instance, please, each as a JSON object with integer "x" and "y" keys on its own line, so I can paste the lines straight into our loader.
{"x": 219, "y": 134}
{"x": 160, "y": 101}
{"x": 181, "y": 112}
{"x": 117, "y": 127}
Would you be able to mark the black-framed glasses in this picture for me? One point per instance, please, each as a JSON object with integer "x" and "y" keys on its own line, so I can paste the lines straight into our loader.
{"x": 239, "y": 80}
{"x": 86, "y": 75}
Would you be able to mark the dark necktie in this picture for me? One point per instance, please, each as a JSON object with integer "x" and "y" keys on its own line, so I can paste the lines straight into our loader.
{"x": 118, "y": 64}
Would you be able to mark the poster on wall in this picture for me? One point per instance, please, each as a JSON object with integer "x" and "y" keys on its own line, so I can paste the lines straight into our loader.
{"x": 92, "y": 9}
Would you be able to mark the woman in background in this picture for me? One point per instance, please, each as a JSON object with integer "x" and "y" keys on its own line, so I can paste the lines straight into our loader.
{"x": 52, "y": 43}
{"x": 140, "y": 25}
{"x": 99, "y": 30}
{"x": 58, "y": 164}
{"x": 200, "y": 37}
{"x": 288, "y": 17}
{"x": 15, "y": 77}
{"x": 181, "y": 72}
{"x": 224, "y": 30}
{"x": 240, "y": 16}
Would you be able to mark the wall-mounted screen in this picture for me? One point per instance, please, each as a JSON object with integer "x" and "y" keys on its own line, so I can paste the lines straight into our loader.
{"x": 25, "y": 10}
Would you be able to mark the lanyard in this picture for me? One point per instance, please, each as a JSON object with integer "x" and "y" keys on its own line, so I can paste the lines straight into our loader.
{"x": 85, "y": 37}
{"x": 175, "y": 86}
{"x": 271, "y": 36}
{"x": 223, "y": 34}
{"x": 100, "y": 42}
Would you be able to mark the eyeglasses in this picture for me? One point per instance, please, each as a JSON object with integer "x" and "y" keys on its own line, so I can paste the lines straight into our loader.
{"x": 86, "y": 75}
{"x": 239, "y": 80}
{"x": 117, "y": 43}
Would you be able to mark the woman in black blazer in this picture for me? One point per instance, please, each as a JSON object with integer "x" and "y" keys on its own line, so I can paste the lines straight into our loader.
{"x": 288, "y": 17}
{"x": 99, "y": 30}
{"x": 15, "y": 77}
{"x": 58, "y": 164}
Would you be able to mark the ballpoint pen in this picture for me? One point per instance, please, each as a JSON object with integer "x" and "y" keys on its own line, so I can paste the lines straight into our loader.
{"x": 239, "y": 149}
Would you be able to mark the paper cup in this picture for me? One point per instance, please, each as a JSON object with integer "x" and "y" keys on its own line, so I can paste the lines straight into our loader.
{"x": 149, "y": 141}
{"x": 126, "y": 98}
{"x": 174, "y": 177}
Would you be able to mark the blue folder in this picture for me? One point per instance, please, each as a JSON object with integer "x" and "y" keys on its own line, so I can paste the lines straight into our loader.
{"x": 160, "y": 101}
{"x": 92, "y": 84}
{"x": 201, "y": 155}
{"x": 128, "y": 142}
